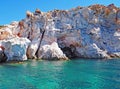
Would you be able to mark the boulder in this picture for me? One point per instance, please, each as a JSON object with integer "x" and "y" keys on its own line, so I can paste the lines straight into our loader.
{"x": 51, "y": 52}
{"x": 15, "y": 48}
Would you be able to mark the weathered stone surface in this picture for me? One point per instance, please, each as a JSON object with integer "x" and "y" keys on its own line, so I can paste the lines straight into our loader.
{"x": 51, "y": 52}
{"x": 84, "y": 32}
{"x": 15, "y": 48}
{"x": 3, "y": 57}
{"x": 32, "y": 49}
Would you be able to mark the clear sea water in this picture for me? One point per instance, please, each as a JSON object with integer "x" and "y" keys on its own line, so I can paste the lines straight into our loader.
{"x": 73, "y": 74}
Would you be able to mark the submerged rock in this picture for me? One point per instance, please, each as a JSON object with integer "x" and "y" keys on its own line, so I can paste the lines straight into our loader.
{"x": 84, "y": 32}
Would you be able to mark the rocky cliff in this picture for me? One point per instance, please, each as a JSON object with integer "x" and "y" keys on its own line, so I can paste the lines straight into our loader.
{"x": 83, "y": 32}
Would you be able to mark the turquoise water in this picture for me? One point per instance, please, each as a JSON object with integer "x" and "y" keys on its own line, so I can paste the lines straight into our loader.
{"x": 73, "y": 74}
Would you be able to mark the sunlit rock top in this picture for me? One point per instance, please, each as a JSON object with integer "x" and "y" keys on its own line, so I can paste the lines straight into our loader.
{"x": 83, "y": 32}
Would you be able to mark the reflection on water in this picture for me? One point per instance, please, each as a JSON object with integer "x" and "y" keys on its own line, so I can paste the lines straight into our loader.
{"x": 72, "y": 74}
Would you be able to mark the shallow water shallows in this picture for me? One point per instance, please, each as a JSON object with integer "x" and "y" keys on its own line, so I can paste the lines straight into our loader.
{"x": 73, "y": 74}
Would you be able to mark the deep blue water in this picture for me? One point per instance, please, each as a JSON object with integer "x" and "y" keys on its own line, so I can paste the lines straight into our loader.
{"x": 73, "y": 74}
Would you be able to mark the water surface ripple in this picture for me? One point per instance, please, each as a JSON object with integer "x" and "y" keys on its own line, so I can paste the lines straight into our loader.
{"x": 73, "y": 74}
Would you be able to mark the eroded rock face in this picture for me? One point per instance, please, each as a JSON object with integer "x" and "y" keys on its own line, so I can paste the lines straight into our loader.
{"x": 15, "y": 48}
{"x": 51, "y": 52}
{"x": 3, "y": 57}
{"x": 84, "y": 32}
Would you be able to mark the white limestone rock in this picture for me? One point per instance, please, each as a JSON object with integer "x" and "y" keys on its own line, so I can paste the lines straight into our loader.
{"x": 32, "y": 49}
{"x": 51, "y": 52}
{"x": 15, "y": 48}
{"x": 89, "y": 32}
{"x": 92, "y": 51}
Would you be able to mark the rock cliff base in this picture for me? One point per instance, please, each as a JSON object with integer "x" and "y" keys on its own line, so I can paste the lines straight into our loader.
{"x": 83, "y": 32}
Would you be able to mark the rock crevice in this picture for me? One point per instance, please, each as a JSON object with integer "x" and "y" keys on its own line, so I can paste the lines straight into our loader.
{"x": 84, "y": 32}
